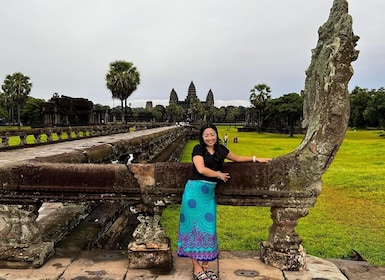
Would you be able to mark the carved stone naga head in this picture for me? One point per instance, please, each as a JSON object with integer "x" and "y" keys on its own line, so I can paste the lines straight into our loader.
{"x": 326, "y": 114}
{"x": 326, "y": 94}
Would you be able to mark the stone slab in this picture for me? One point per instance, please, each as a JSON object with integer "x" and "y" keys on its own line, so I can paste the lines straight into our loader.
{"x": 317, "y": 268}
{"x": 50, "y": 271}
{"x": 97, "y": 265}
{"x": 359, "y": 270}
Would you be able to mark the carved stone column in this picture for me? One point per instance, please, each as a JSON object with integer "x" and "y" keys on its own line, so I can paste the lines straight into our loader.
{"x": 21, "y": 245}
{"x": 150, "y": 248}
{"x": 283, "y": 250}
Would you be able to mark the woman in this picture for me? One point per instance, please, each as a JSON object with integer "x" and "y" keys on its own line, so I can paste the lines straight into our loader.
{"x": 197, "y": 236}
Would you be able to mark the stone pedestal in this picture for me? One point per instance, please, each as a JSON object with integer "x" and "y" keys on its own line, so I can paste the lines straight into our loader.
{"x": 150, "y": 256}
{"x": 21, "y": 245}
{"x": 150, "y": 248}
{"x": 286, "y": 260}
{"x": 283, "y": 250}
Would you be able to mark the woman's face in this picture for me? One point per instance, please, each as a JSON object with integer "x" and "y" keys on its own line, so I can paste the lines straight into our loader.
{"x": 209, "y": 137}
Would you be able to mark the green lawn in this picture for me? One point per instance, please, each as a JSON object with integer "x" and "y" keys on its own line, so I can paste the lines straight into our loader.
{"x": 349, "y": 213}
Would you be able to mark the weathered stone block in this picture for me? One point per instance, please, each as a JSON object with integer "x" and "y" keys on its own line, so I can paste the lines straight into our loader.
{"x": 289, "y": 259}
{"x": 145, "y": 257}
{"x": 32, "y": 257}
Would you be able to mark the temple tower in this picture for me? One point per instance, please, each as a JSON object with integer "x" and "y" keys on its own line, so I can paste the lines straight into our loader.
{"x": 210, "y": 99}
{"x": 191, "y": 93}
{"x": 173, "y": 97}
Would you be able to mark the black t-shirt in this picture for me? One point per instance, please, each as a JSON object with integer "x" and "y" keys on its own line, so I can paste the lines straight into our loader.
{"x": 214, "y": 162}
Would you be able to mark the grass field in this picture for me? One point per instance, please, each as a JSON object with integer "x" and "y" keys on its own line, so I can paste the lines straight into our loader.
{"x": 349, "y": 214}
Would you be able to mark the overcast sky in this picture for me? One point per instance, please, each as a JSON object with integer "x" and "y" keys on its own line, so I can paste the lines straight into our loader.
{"x": 227, "y": 46}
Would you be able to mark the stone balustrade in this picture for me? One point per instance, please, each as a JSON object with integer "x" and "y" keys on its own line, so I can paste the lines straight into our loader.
{"x": 40, "y": 136}
{"x": 79, "y": 176}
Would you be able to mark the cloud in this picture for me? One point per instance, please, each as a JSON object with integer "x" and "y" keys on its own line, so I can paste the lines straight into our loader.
{"x": 226, "y": 46}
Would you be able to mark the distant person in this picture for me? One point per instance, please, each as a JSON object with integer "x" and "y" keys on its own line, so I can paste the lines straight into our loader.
{"x": 235, "y": 139}
{"x": 197, "y": 234}
{"x": 225, "y": 140}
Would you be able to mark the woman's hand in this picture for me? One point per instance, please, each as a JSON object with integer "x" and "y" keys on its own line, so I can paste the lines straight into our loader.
{"x": 223, "y": 176}
{"x": 264, "y": 159}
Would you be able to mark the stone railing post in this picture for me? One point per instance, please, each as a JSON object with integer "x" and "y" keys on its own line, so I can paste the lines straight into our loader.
{"x": 20, "y": 237}
{"x": 23, "y": 139}
{"x": 4, "y": 140}
{"x": 37, "y": 138}
{"x": 49, "y": 134}
{"x": 150, "y": 247}
{"x": 283, "y": 248}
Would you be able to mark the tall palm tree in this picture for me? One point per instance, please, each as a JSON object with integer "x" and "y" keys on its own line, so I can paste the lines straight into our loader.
{"x": 122, "y": 80}
{"x": 196, "y": 109}
{"x": 175, "y": 112}
{"x": 7, "y": 103}
{"x": 259, "y": 95}
{"x": 17, "y": 87}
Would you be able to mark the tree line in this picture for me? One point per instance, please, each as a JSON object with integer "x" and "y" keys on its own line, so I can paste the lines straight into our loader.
{"x": 367, "y": 108}
{"x": 122, "y": 79}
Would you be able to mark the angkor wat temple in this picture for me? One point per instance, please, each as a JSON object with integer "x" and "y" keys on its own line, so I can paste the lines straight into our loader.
{"x": 191, "y": 95}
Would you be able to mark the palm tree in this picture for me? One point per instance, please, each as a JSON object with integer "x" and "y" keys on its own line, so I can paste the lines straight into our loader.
{"x": 259, "y": 95}
{"x": 16, "y": 88}
{"x": 174, "y": 111}
{"x": 196, "y": 109}
{"x": 7, "y": 103}
{"x": 122, "y": 80}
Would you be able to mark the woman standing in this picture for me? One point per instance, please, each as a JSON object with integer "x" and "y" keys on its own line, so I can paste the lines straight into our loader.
{"x": 197, "y": 236}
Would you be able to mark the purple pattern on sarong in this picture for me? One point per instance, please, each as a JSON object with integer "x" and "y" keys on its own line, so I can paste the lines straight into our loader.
{"x": 198, "y": 245}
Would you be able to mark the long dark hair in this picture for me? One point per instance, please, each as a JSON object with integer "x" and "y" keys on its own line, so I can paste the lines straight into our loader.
{"x": 219, "y": 151}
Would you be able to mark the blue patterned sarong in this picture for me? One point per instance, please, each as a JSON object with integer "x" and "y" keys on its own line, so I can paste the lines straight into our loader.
{"x": 197, "y": 236}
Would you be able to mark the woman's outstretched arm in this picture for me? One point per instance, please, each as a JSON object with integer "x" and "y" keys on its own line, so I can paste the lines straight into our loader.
{"x": 236, "y": 158}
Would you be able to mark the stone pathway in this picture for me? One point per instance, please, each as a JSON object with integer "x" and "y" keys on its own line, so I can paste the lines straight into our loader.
{"x": 113, "y": 265}
{"x": 9, "y": 156}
